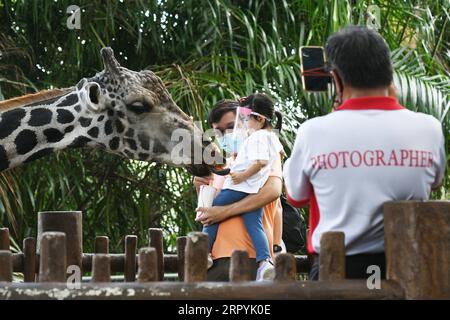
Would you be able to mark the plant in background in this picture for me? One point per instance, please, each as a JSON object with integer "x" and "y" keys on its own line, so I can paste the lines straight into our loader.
{"x": 204, "y": 51}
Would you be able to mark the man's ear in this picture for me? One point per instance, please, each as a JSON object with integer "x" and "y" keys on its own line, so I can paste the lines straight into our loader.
{"x": 92, "y": 95}
{"x": 338, "y": 89}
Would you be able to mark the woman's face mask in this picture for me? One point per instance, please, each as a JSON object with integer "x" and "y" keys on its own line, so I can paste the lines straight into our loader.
{"x": 231, "y": 142}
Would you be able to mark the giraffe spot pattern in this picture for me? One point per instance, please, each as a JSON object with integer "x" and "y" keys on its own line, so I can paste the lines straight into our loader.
{"x": 145, "y": 142}
{"x": 69, "y": 129}
{"x": 93, "y": 132}
{"x": 131, "y": 143}
{"x": 100, "y": 119}
{"x": 53, "y": 135}
{"x": 120, "y": 114}
{"x": 77, "y": 108}
{"x": 79, "y": 142}
{"x": 114, "y": 143}
{"x": 10, "y": 121}
{"x": 70, "y": 100}
{"x": 143, "y": 156}
{"x": 64, "y": 116}
{"x": 119, "y": 126}
{"x": 158, "y": 147}
{"x": 39, "y": 154}
{"x": 108, "y": 127}
{"x": 40, "y": 117}
{"x": 128, "y": 153}
{"x": 25, "y": 141}
{"x": 85, "y": 122}
{"x": 4, "y": 162}
{"x": 130, "y": 132}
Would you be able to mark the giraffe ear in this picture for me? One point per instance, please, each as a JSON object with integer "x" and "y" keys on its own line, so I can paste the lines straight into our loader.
{"x": 92, "y": 93}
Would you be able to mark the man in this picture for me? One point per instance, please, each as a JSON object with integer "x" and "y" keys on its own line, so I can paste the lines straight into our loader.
{"x": 371, "y": 150}
{"x": 232, "y": 234}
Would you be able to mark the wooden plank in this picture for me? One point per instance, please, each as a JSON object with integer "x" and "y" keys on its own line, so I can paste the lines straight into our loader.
{"x": 285, "y": 267}
{"x": 4, "y": 239}
{"x": 157, "y": 242}
{"x": 6, "y": 268}
{"x": 196, "y": 256}
{"x": 101, "y": 268}
{"x": 29, "y": 260}
{"x": 292, "y": 290}
{"x": 417, "y": 247}
{"x": 130, "y": 258}
{"x": 332, "y": 256}
{"x": 52, "y": 266}
{"x": 240, "y": 268}
{"x": 148, "y": 265}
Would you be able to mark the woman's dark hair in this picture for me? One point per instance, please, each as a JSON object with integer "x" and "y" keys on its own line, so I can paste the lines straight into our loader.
{"x": 220, "y": 108}
{"x": 263, "y": 105}
{"x": 360, "y": 56}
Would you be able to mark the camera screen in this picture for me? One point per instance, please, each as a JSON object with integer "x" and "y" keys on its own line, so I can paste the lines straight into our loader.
{"x": 313, "y": 58}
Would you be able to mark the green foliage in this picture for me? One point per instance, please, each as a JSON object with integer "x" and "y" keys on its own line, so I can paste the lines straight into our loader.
{"x": 204, "y": 51}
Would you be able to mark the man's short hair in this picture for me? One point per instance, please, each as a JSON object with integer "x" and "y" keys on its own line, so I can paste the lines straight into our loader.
{"x": 360, "y": 56}
{"x": 220, "y": 108}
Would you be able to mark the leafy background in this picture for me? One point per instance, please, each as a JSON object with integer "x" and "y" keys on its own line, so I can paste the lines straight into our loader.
{"x": 204, "y": 51}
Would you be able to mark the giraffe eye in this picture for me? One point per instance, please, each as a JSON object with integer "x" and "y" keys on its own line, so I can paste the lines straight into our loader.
{"x": 139, "y": 107}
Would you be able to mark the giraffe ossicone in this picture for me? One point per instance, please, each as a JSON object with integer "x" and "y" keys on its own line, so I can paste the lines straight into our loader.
{"x": 122, "y": 111}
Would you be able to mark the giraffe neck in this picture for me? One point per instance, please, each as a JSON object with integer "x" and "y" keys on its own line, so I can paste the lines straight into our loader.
{"x": 38, "y": 129}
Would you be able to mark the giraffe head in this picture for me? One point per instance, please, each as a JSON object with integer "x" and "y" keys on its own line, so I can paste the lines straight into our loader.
{"x": 140, "y": 120}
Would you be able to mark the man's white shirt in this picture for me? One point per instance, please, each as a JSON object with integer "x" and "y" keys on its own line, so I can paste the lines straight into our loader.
{"x": 350, "y": 162}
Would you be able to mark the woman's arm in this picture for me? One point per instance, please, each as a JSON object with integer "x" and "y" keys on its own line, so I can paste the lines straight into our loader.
{"x": 268, "y": 193}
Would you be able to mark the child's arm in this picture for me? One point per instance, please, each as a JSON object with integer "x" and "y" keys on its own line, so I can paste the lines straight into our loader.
{"x": 256, "y": 166}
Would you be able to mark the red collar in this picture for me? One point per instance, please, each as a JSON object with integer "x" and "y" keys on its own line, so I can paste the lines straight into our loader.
{"x": 365, "y": 103}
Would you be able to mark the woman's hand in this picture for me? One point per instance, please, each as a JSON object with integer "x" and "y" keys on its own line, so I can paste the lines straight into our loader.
{"x": 211, "y": 215}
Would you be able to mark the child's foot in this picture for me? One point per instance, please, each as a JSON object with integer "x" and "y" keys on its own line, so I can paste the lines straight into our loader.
{"x": 266, "y": 271}
{"x": 210, "y": 261}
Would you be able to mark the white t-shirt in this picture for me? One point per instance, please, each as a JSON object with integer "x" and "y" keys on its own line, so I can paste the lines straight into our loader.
{"x": 260, "y": 145}
{"x": 347, "y": 164}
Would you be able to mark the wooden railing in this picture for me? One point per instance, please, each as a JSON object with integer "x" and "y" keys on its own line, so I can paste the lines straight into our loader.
{"x": 417, "y": 247}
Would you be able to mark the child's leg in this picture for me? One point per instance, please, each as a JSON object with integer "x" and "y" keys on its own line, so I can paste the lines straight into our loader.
{"x": 253, "y": 223}
{"x": 225, "y": 197}
{"x": 211, "y": 231}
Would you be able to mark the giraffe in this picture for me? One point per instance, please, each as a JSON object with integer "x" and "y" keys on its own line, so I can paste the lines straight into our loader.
{"x": 119, "y": 110}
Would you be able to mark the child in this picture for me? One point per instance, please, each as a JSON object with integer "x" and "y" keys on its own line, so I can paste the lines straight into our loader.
{"x": 250, "y": 171}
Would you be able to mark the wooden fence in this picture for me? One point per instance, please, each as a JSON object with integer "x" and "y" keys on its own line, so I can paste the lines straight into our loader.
{"x": 417, "y": 247}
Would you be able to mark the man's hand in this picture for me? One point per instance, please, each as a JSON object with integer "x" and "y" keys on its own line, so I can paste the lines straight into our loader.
{"x": 201, "y": 181}
{"x": 211, "y": 215}
{"x": 238, "y": 177}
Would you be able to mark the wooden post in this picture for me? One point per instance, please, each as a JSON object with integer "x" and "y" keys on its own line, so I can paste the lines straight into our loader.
{"x": 52, "y": 265}
{"x": 196, "y": 257}
{"x": 101, "y": 268}
{"x": 6, "y": 266}
{"x": 417, "y": 247}
{"x": 156, "y": 241}
{"x": 130, "y": 258}
{"x": 240, "y": 269}
{"x": 332, "y": 256}
{"x": 69, "y": 222}
{"x": 285, "y": 267}
{"x": 29, "y": 260}
{"x": 148, "y": 265}
{"x": 181, "y": 247}
{"x": 4, "y": 239}
{"x": 101, "y": 244}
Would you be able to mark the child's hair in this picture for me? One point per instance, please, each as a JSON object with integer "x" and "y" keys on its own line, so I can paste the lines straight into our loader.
{"x": 263, "y": 105}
